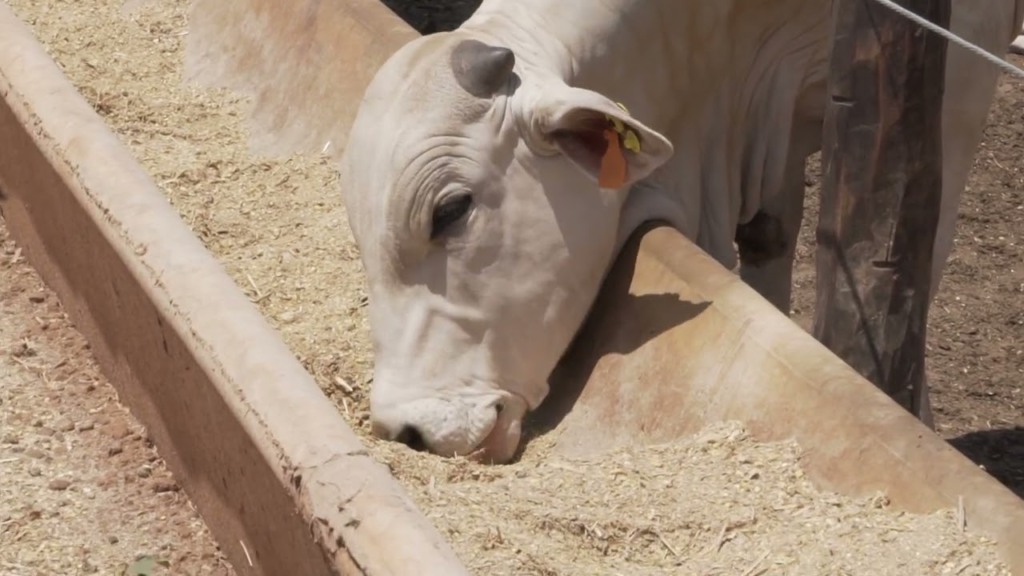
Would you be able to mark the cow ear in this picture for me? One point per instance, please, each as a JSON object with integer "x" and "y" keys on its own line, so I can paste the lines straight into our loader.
{"x": 600, "y": 136}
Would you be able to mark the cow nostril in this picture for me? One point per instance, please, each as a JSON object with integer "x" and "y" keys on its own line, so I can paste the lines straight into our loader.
{"x": 412, "y": 438}
{"x": 499, "y": 407}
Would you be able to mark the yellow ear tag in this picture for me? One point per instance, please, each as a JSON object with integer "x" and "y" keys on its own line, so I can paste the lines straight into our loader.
{"x": 619, "y": 126}
{"x": 631, "y": 142}
{"x": 629, "y": 138}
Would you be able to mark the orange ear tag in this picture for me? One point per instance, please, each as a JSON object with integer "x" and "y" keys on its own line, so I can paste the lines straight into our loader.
{"x": 613, "y": 163}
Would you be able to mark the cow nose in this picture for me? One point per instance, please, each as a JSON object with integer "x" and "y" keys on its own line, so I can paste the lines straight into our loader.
{"x": 444, "y": 427}
{"x": 411, "y": 437}
{"x": 399, "y": 431}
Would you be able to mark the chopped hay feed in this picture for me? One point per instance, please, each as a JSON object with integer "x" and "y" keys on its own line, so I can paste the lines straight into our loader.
{"x": 719, "y": 503}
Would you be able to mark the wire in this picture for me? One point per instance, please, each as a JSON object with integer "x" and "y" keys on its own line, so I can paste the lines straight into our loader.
{"x": 952, "y": 37}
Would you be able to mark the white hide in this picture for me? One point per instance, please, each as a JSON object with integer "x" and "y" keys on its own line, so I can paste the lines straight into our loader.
{"x": 1017, "y": 46}
{"x": 728, "y": 99}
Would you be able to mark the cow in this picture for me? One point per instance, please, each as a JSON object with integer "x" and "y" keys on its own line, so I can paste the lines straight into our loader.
{"x": 493, "y": 172}
{"x": 1017, "y": 46}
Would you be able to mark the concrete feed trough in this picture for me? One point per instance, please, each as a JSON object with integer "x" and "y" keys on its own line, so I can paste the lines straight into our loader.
{"x": 284, "y": 483}
{"x": 188, "y": 353}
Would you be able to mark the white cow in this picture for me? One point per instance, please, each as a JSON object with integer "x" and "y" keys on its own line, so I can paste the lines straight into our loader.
{"x": 487, "y": 205}
{"x": 1017, "y": 46}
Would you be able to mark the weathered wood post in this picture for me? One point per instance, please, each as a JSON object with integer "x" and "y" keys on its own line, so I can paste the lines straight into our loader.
{"x": 881, "y": 156}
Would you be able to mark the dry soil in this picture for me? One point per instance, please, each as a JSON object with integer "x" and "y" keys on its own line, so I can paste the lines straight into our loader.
{"x": 83, "y": 491}
{"x": 718, "y": 504}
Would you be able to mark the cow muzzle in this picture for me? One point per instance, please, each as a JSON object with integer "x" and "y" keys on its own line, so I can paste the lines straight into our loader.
{"x": 483, "y": 429}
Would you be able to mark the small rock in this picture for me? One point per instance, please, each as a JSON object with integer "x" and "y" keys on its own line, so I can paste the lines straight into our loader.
{"x": 35, "y": 514}
{"x": 35, "y": 453}
{"x": 59, "y": 484}
{"x": 44, "y": 431}
{"x": 112, "y": 539}
{"x": 11, "y": 438}
{"x": 160, "y": 486}
{"x": 86, "y": 425}
{"x": 90, "y": 387}
{"x": 88, "y": 567}
{"x": 37, "y": 423}
{"x": 37, "y": 298}
{"x": 144, "y": 471}
{"x": 64, "y": 425}
{"x": 115, "y": 449}
{"x": 117, "y": 430}
{"x": 286, "y": 317}
{"x": 35, "y": 471}
{"x": 23, "y": 350}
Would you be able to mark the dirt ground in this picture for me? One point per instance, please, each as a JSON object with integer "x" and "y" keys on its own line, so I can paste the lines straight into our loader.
{"x": 976, "y": 325}
{"x": 280, "y": 229}
{"x": 975, "y": 353}
{"x": 83, "y": 489}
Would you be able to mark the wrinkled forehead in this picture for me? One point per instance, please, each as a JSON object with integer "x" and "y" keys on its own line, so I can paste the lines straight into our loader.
{"x": 420, "y": 99}
{"x": 418, "y": 94}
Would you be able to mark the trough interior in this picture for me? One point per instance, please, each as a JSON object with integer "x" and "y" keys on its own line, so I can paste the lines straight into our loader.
{"x": 705, "y": 321}
{"x": 729, "y": 369}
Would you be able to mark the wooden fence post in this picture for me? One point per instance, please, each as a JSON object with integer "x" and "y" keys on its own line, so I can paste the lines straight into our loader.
{"x": 881, "y": 156}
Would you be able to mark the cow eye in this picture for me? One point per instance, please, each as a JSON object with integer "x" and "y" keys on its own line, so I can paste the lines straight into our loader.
{"x": 448, "y": 212}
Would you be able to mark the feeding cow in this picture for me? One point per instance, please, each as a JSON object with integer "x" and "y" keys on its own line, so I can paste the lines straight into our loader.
{"x": 491, "y": 177}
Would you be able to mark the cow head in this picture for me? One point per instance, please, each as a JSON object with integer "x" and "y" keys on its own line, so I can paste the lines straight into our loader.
{"x": 471, "y": 186}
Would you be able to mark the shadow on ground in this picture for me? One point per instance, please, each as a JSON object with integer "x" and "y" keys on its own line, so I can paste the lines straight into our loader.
{"x": 1000, "y": 452}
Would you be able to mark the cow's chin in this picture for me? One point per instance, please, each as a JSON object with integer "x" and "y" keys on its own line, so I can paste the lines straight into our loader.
{"x": 501, "y": 444}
